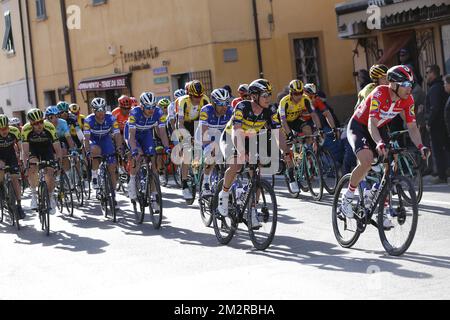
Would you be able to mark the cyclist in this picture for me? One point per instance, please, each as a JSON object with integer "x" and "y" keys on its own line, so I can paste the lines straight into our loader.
{"x": 122, "y": 113}
{"x": 188, "y": 113}
{"x": 367, "y": 131}
{"x": 40, "y": 143}
{"x": 297, "y": 116}
{"x": 213, "y": 120}
{"x": 15, "y": 122}
{"x": 62, "y": 133}
{"x": 163, "y": 104}
{"x": 9, "y": 137}
{"x": 72, "y": 122}
{"x": 139, "y": 135}
{"x": 378, "y": 74}
{"x": 100, "y": 128}
{"x": 248, "y": 119}
{"x": 243, "y": 95}
{"x": 76, "y": 131}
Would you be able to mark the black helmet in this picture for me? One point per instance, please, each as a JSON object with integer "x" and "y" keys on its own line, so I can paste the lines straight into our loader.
{"x": 400, "y": 74}
{"x": 260, "y": 86}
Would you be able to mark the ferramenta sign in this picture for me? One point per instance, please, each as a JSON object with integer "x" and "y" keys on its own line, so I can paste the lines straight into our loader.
{"x": 103, "y": 84}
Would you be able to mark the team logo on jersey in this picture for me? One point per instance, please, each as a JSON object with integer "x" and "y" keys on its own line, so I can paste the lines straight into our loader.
{"x": 374, "y": 105}
{"x": 412, "y": 111}
{"x": 116, "y": 125}
{"x": 203, "y": 116}
{"x": 238, "y": 116}
{"x": 132, "y": 119}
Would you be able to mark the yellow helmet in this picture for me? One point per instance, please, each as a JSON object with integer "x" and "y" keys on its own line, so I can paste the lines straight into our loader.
{"x": 378, "y": 71}
{"x": 74, "y": 108}
{"x": 296, "y": 86}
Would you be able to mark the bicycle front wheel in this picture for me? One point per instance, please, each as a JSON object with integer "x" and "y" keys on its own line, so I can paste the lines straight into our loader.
{"x": 155, "y": 200}
{"x": 12, "y": 206}
{"x": 224, "y": 227}
{"x": 65, "y": 197}
{"x": 407, "y": 168}
{"x": 329, "y": 171}
{"x": 108, "y": 195}
{"x": 44, "y": 207}
{"x": 402, "y": 214}
{"x": 262, "y": 215}
{"x": 314, "y": 176}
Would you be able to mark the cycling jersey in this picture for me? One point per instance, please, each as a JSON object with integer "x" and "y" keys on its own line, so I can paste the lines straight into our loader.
{"x": 121, "y": 118}
{"x": 7, "y": 150}
{"x": 141, "y": 123}
{"x": 379, "y": 105}
{"x": 364, "y": 93}
{"x": 62, "y": 129}
{"x": 292, "y": 111}
{"x": 236, "y": 102}
{"x": 188, "y": 111}
{"x": 209, "y": 118}
{"x": 318, "y": 105}
{"x": 243, "y": 115}
{"x": 100, "y": 130}
{"x": 41, "y": 144}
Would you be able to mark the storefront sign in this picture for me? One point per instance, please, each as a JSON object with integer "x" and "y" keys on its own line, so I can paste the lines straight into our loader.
{"x": 161, "y": 70}
{"x": 161, "y": 90}
{"x": 161, "y": 80}
{"x": 103, "y": 84}
{"x": 143, "y": 66}
{"x": 140, "y": 55}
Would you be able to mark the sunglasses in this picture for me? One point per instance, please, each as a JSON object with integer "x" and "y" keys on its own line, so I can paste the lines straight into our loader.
{"x": 149, "y": 108}
{"x": 297, "y": 94}
{"x": 266, "y": 95}
{"x": 4, "y": 129}
{"x": 222, "y": 104}
{"x": 37, "y": 123}
{"x": 406, "y": 84}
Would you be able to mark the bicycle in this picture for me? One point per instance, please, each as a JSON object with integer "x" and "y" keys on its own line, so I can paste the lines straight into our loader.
{"x": 76, "y": 178}
{"x": 205, "y": 203}
{"x": 146, "y": 180}
{"x": 307, "y": 169}
{"x": 124, "y": 177}
{"x": 64, "y": 198}
{"x": 328, "y": 165}
{"x": 44, "y": 195}
{"x": 8, "y": 198}
{"x": 240, "y": 210}
{"x": 106, "y": 193}
{"x": 389, "y": 197}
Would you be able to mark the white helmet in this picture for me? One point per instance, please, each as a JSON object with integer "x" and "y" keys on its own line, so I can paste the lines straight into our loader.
{"x": 220, "y": 97}
{"x": 310, "y": 88}
{"x": 98, "y": 104}
{"x": 179, "y": 93}
{"x": 148, "y": 99}
{"x": 14, "y": 122}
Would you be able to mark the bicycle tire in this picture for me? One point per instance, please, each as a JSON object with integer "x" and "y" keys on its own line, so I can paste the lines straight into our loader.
{"x": 86, "y": 174}
{"x": 399, "y": 182}
{"x": 417, "y": 175}
{"x": 336, "y": 217}
{"x": 176, "y": 174}
{"x": 79, "y": 186}
{"x": 227, "y": 225}
{"x": 110, "y": 195}
{"x": 205, "y": 204}
{"x": 192, "y": 187}
{"x": 12, "y": 206}
{"x": 255, "y": 233}
{"x": 317, "y": 196}
{"x": 156, "y": 217}
{"x": 293, "y": 194}
{"x": 141, "y": 193}
{"x": 2, "y": 203}
{"x": 44, "y": 207}
{"x": 328, "y": 168}
{"x": 65, "y": 195}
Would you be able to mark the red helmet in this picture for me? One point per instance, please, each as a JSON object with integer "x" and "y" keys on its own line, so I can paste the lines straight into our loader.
{"x": 125, "y": 102}
{"x": 134, "y": 102}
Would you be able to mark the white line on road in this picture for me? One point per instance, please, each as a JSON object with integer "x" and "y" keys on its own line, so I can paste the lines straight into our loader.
{"x": 436, "y": 202}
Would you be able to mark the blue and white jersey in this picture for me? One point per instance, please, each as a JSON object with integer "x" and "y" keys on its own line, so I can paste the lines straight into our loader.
{"x": 101, "y": 130}
{"x": 209, "y": 118}
{"x": 141, "y": 123}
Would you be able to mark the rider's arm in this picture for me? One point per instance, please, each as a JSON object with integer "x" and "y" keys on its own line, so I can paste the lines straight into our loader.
{"x": 282, "y": 113}
{"x": 373, "y": 130}
{"x": 413, "y": 130}
{"x": 70, "y": 141}
{"x": 181, "y": 115}
{"x": 58, "y": 151}
{"x": 25, "y": 151}
{"x": 87, "y": 137}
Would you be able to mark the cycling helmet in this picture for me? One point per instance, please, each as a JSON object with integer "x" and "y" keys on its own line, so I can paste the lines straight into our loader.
{"x": 4, "y": 121}
{"x": 148, "y": 100}
{"x": 51, "y": 111}
{"x": 124, "y": 102}
{"x": 400, "y": 74}
{"x": 179, "y": 93}
{"x": 15, "y": 122}
{"x": 63, "y": 106}
{"x": 164, "y": 103}
{"x": 74, "y": 108}
{"x": 134, "y": 102}
{"x": 35, "y": 115}
{"x": 196, "y": 89}
{"x": 378, "y": 71}
{"x": 260, "y": 86}
{"x": 98, "y": 105}
{"x": 310, "y": 88}
{"x": 243, "y": 89}
{"x": 220, "y": 97}
{"x": 296, "y": 86}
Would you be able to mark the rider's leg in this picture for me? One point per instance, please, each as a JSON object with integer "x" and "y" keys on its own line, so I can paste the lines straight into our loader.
{"x": 96, "y": 151}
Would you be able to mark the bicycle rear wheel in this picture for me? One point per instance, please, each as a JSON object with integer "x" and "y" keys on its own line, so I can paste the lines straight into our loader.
{"x": 329, "y": 171}
{"x": 78, "y": 185}
{"x": 314, "y": 176}
{"x": 224, "y": 227}
{"x": 403, "y": 214}
{"x": 155, "y": 200}
{"x": 65, "y": 198}
{"x": 345, "y": 229}
{"x": 44, "y": 207}
{"x": 267, "y": 215}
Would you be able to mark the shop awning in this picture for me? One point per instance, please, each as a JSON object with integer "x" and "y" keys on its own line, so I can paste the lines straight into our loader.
{"x": 103, "y": 83}
{"x": 352, "y": 16}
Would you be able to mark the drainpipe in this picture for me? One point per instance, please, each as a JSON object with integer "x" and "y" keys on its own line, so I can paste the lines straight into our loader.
{"x": 24, "y": 52}
{"x": 31, "y": 55}
{"x": 68, "y": 52}
{"x": 258, "y": 42}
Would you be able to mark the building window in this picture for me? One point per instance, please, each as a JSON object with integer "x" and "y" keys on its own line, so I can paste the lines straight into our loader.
{"x": 446, "y": 47}
{"x": 307, "y": 60}
{"x": 41, "y": 13}
{"x": 50, "y": 98}
{"x": 426, "y": 52}
{"x": 8, "y": 41}
{"x": 98, "y": 2}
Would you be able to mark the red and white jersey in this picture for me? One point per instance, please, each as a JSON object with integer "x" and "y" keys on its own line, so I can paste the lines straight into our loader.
{"x": 235, "y": 102}
{"x": 380, "y": 106}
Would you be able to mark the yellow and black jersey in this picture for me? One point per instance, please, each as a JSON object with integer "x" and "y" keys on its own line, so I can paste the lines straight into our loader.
{"x": 11, "y": 139}
{"x": 188, "y": 111}
{"x": 243, "y": 115}
{"x": 80, "y": 121}
{"x": 292, "y": 111}
{"x": 46, "y": 137}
